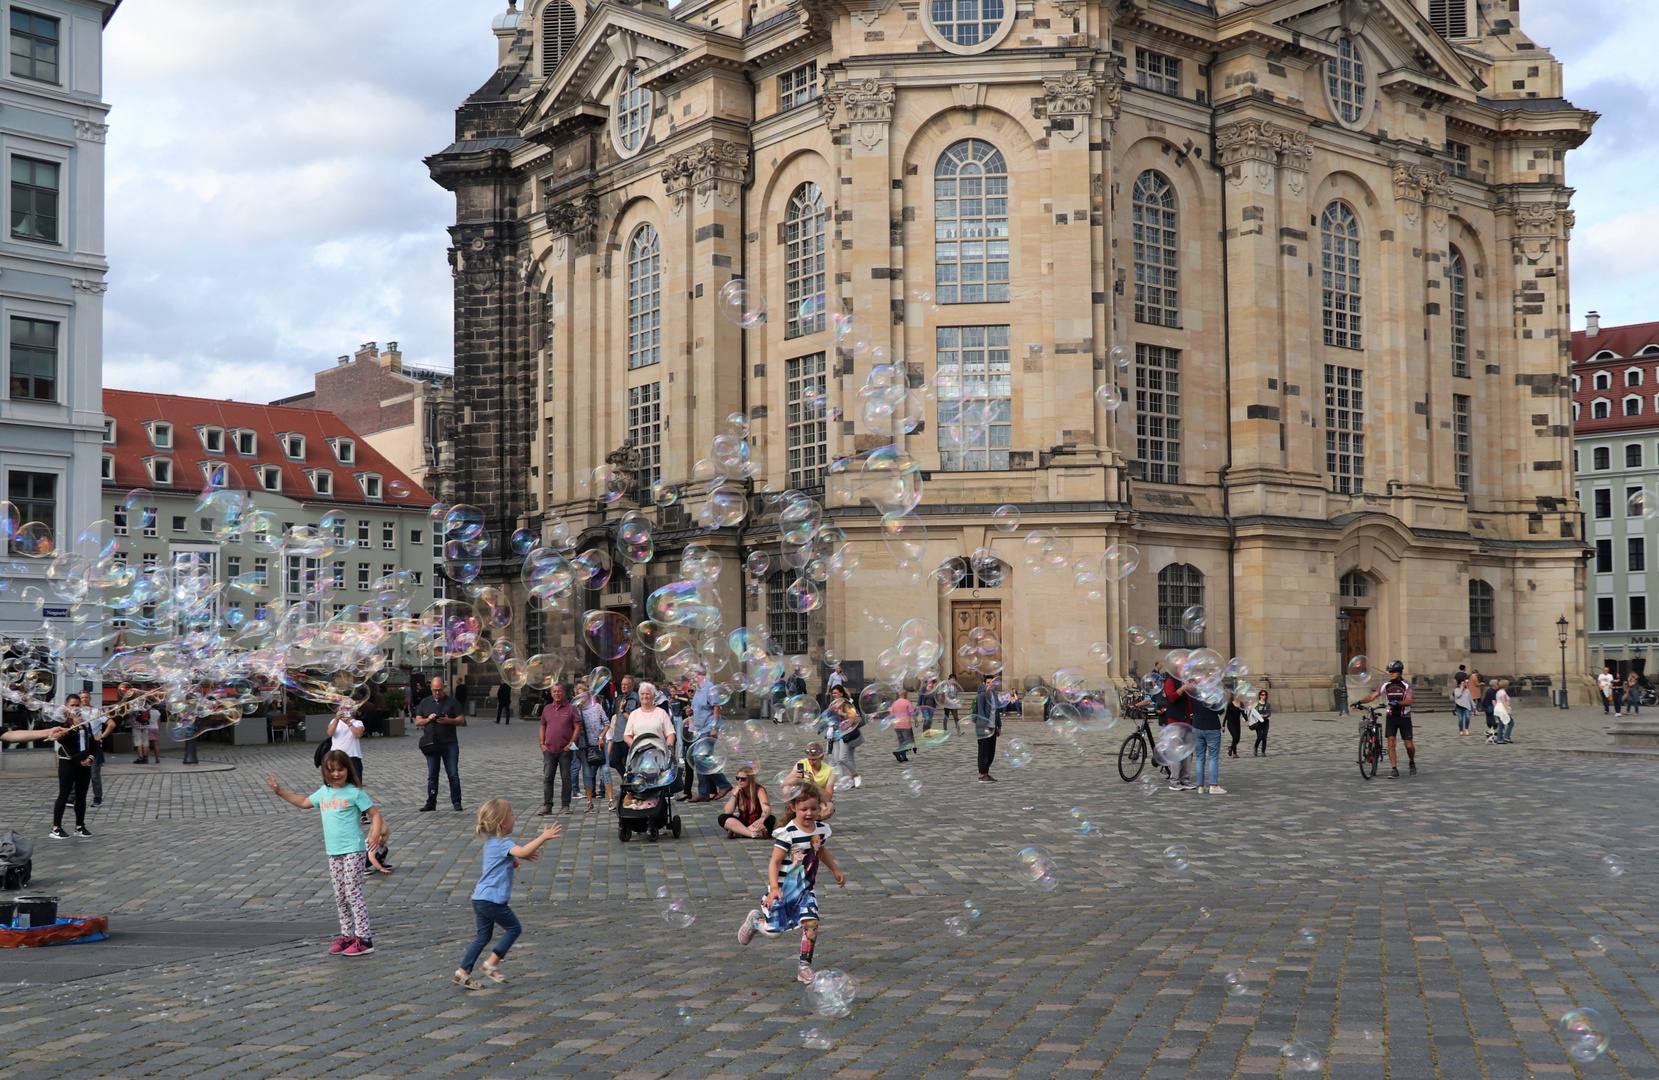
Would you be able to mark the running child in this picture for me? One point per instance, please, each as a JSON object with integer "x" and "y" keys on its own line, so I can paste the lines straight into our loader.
{"x": 904, "y": 725}
{"x": 495, "y": 889}
{"x": 797, "y": 849}
{"x": 342, "y": 804}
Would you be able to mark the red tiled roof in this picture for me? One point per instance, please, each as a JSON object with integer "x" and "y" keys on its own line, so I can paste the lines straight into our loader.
{"x": 1622, "y": 341}
{"x": 131, "y": 410}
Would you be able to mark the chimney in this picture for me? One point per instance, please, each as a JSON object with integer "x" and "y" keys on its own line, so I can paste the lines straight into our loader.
{"x": 343, "y": 359}
{"x": 392, "y": 358}
{"x": 505, "y": 26}
{"x": 369, "y": 350}
{"x": 1592, "y": 324}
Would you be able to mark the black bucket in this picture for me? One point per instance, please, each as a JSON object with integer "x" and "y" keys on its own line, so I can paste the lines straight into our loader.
{"x": 41, "y": 910}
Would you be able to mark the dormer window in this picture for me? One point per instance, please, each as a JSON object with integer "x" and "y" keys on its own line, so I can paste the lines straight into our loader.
{"x": 215, "y": 473}
{"x": 1649, "y": 350}
{"x": 161, "y": 434}
{"x": 109, "y": 431}
{"x": 294, "y": 447}
{"x": 1605, "y": 354}
{"x": 345, "y": 450}
{"x": 247, "y": 444}
{"x": 270, "y": 477}
{"x": 322, "y": 481}
{"x": 106, "y": 471}
{"x": 213, "y": 439}
{"x": 161, "y": 469}
{"x": 370, "y": 483}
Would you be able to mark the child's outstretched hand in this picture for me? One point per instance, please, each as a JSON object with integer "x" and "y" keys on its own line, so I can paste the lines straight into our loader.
{"x": 276, "y": 788}
{"x": 840, "y": 878}
{"x": 552, "y": 831}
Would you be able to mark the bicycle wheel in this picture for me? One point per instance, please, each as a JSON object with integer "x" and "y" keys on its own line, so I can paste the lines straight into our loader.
{"x": 1369, "y": 752}
{"x": 1132, "y": 757}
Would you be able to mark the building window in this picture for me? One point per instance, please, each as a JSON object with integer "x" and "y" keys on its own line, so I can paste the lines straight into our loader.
{"x": 1450, "y": 18}
{"x": 322, "y": 482}
{"x": 1158, "y": 413}
{"x": 345, "y": 451}
{"x": 1355, "y": 586}
{"x": 1604, "y": 613}
{"x": 808, "y": 429}
{"x": 106, "y": 469}
{"x": 1345, "y": 80}
{"x": 370, "y": 483}
{"x": 803, "y": 267}
{"x": 34, "y": 200}
{"x": 789, "y": 628}
{"x": 161, "y": 434}
{"x": 1457, "y": 283}
{"x": 967, "y": 22}
{"x": 970, "y": 222}
{"x": 535, "y": 630}
{"x": 1638, "y": 613}
{"x": 1604, "y": 556}
{"x": 1158, "y": 72}
{"x": 1179, "y": 587}
{"x": 362, "y": 575}
{"x": 1635, "y": 503}
{"x": 633, "y": 113}
{"x": 1633, "y": 406}
{"x": 645, "y": 432}
{"x": 1339, "y": 265}
{"x": 1603, "y": 380}
{"x": 109, "y": 431}
{"x": 1155, "y": 253}
{"x": 1458, "y": 153}
{"x": 644, "y": 298}
{"x": 34, "y": 360}
{"x": 1601, "y": 457}
{"x": 35, "y": 495}
{"x": 363, "y": 532}
{"x": 1461, "y": 420}
{"x": 246, "y": 443}
{"x": 213, "y": 439}
{"x": 1633, "y": 455}
{"x": 1482, "y": 637}
{"x": 1600, "y": 409}
{"x": 558, "y": 33}
{"x": 976, "y": 406}
{"x": 414, "y": 537}
{"x": 151, "y": 528}
{"x": 1345, "y": 428}
{"x": 388, "y": 535}
{"x": 547, "y": 446}
{"x": 339, "y": 569}
{"x": 798, "y": 86}
{"x": 34, "y": 46}
{"x": 1604, "y": 503}
{"x": 161, "y": 470}
{"x": 1635, "y": 552}
{"x": 118, "y": 520}
{"x": 270, "y": 477}
{"x": 1633, "y": 376}
{"x": 294, "y": 447}
{"x": 233, "y": 565}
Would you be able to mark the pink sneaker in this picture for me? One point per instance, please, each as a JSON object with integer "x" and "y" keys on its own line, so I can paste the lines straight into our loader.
{"x": 746, "y": 932}
{"x": 339, "y": 945}
{"x": 360, "y": 947}
{"x": 805, "y": 973}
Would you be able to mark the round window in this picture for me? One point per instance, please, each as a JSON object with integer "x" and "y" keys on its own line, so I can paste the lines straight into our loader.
{"x": 968, "y": 26}
{"x": 632, "y": 114}
{"x": 1345, "y": 82}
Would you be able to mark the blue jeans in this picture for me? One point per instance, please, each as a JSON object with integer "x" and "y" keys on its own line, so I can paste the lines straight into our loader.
{"x": 1506, "y": 729}
{"x": 709, "y": 783}
{"x": 489, "y": 915}
{"x": 587, "y": 774}
{"x": 1462, "y": 717}
{"x": 1208, "y": 753}
{"x": 450, "y": 755}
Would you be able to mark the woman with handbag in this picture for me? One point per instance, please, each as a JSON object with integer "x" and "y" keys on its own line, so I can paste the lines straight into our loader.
{"x": 590, "y": 745}
{"x": 851, "y": 725}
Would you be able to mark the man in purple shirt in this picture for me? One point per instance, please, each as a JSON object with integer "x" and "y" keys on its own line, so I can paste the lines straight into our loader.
{"x": 560, "y": 720}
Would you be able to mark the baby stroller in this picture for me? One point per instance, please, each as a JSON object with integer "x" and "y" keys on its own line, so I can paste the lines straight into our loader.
{"x": 648, "y": 781}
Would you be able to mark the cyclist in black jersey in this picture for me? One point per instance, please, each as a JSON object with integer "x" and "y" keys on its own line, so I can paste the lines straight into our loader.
{"x": 1397, "y": 692}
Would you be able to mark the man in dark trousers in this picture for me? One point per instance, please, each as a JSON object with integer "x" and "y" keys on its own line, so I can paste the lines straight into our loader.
{"x": 442, "y": 714}
{"x": 503, "y": 704}
{"x": 560, "y": 721}
{"x": 987, "y": 725}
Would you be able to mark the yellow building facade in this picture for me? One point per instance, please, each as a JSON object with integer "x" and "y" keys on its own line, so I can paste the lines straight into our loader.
{"x": 1329, "y": 240}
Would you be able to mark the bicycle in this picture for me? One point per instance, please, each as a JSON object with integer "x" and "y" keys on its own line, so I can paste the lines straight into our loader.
{"x": 1136, "y": 750}
{"x": 1370, "y": 743}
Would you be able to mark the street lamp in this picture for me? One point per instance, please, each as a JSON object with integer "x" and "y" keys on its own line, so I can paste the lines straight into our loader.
{"x": 1561, "y": 636}
{"x": 1342, "y": 663}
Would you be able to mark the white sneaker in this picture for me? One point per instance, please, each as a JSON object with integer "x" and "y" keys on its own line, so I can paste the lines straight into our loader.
{"x": 858, "y": 781}
{"x": 1217, "y": 789}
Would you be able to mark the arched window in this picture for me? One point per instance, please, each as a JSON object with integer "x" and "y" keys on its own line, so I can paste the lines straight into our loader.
{"x": 1603, "y": 380}
{"x": 1339, "y": 264}
{"x": 1355, "y": 585}
{"x": 1457, "y": 283}
{"x": 1600, "y": 409}
{"x": 633, "y": 113}
{"x": 966, "y": 22}
{"x": 1155, "y": 269}
{"x": 970, "y": 224}
{"x": 1345, "y": 80}
{"x": 644, "y": 298}
{"x": 1179, "y": 587}
{"x": 803, "y": 266}
{"x": 1633, "y": 406}
{"x": 558, "y": 33}
{"x": 1482, "y": 636}
{"x": 788, "y": 627}
{"x": 1633, "y": 376}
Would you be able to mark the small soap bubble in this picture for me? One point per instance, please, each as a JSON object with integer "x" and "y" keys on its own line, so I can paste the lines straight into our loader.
{"x": 684, "y": 1015}
{"x": 814, "y": 1039}
{"x": 1101, "y": 652}
{"x": 1194, "y": 619}
{"x": 1006, "y": 518}
{"x": 1035, "y": 868}
{"x": 1612, "y": 866}
{"x": 1017, "y": 754}
{"x": 1359, "y": 669}
{"x": 1300, "y": 1057}
{"x": 1203, "y": 913}
{"x": 1584, "y": 1033}
{"x": 1140, "y": 635}
{"x": 742, "y": 304}
{"x": 1369, "y": 1035}
{"x": 1109, "y": 396}
{"x": 1119, "y": 355}
{"x": 678, "y": 914}
{"x": 831, "y": 993}
{"x": 1175, "y": 857}
{"x": 1236, "y": 984}
{"x": 1149, "y": 787}
{"x": 1598, "y": 944}
{"x": 1119, "y": 561}
{"x": 1080, "y": 823}
{"x": 1307, "y": 937}
{"x": 970, "y": 907}
{"x": 957, "y": 925}
{"x": 399, "y": 489}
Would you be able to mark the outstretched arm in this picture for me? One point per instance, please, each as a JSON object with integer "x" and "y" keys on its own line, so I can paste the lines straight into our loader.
{"x": 287, "y": 796}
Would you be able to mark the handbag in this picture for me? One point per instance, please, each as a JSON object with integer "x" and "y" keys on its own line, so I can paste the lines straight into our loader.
{"x": 322, "y": 748}
{"x": 1252, "y": 717}
{"x": 429, "y": 742}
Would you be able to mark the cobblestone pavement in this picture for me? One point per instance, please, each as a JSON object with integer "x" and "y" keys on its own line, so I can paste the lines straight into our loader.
{"x": 1449, "y": 921}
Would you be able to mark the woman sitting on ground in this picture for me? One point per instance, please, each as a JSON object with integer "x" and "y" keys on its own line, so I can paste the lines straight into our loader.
{"x": 748, "y": 811}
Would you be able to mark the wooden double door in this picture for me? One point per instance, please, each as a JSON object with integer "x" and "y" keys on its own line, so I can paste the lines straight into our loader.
{"x": 965, "y": 616}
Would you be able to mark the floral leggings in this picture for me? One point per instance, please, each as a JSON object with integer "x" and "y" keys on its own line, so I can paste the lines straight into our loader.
{"x": 346, "y": 874}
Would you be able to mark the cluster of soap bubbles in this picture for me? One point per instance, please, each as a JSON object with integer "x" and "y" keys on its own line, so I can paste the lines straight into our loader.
{"x": 1208, "y": 676}
{"x": 831, "y": 993}
{"x": 959, "y": 925}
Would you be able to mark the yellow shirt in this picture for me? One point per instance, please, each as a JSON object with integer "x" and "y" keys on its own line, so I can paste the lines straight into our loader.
{"x": 821, "y": 776}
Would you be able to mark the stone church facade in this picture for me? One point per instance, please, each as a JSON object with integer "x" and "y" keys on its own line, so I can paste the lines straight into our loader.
{"x": 1329, "y": 238}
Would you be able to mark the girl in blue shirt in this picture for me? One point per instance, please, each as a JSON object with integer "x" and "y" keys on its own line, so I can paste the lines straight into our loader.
{"x": 495, "y": 889}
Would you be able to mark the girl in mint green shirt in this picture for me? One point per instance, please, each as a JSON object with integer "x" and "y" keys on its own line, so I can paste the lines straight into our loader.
{"x": 343, "y": 804}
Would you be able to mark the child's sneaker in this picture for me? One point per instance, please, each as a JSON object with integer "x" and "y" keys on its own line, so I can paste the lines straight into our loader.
{"x": 746, "y": 932}
{"x": 339, "y": 945}
{"x": 804, "y": 973}
{"x": 359, "y": 947}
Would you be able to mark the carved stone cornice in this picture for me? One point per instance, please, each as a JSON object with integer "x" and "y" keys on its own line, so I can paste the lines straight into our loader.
{"x": 87, "y": 285}
{"x": 1110, "y": 84}
{"x": 1248, "y": 140}
{"x": 863, "y": 101}
{"x": 90, "y": 130}
{"x": 576, "y": 215}
{"x": 1422, "y": 183}
{"x": 1069, "y": 103}
{"x": 1534, "y": 219}
{"x": 708, "y": 169}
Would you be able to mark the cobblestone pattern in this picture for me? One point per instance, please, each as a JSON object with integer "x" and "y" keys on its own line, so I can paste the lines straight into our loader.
{"x": 1451, "y": 918}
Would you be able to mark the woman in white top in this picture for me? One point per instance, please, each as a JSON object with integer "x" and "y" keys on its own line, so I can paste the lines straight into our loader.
{"x": 347, "y": 732}
{"x": 1500, "y": 709}
{"x": 649, "y": 718}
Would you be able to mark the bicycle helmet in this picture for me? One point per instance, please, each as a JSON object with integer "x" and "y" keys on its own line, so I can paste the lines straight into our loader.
{"x": 1395, "y": 667}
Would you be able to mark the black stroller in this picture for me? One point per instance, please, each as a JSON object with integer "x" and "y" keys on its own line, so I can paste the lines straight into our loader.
{"x": 648, "y": 780}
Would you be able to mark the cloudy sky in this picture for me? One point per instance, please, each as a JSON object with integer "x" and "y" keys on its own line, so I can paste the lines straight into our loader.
{"x": 268, "y": 209}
